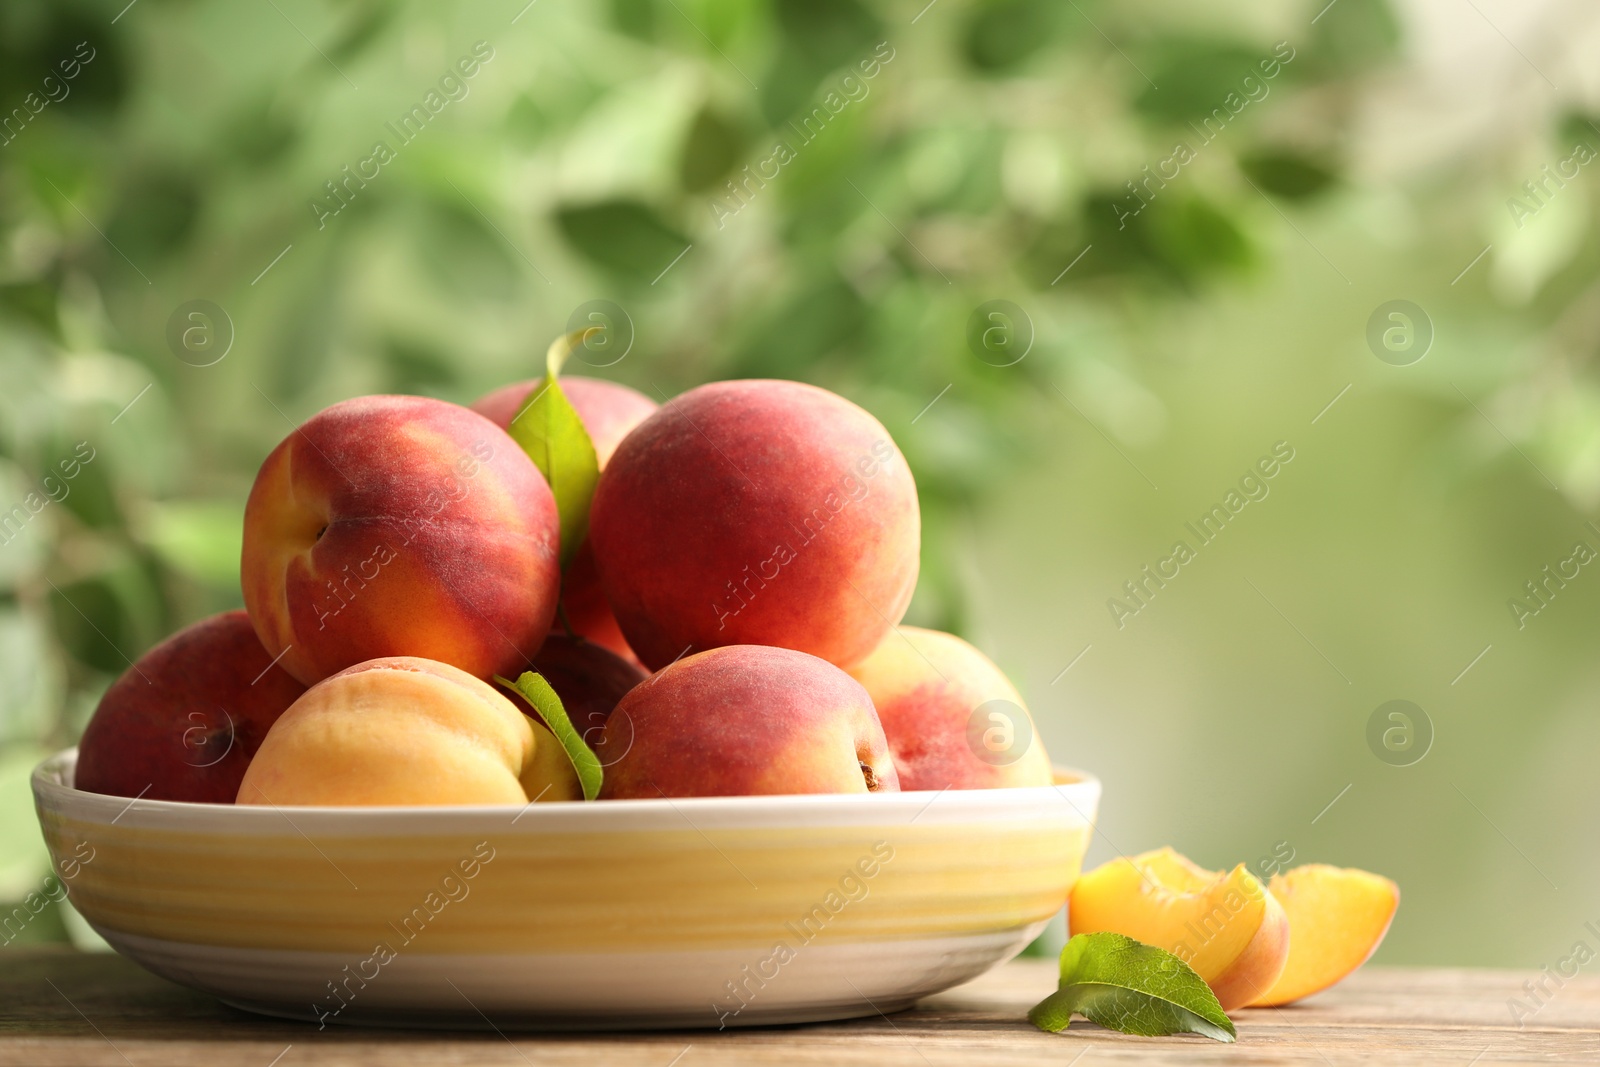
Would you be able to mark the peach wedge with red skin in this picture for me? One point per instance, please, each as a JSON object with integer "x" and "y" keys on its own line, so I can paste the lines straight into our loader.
{"x": 608, "y": 412}
{"x": 942, "y": 704}
{"x": 1337, "y": 919}
{"x": 744, "y": 720}
{"x": 757, "y": 512}
{"x": 184, "y": 721}
{"x": 400, "y": 526}
{"x": 1226, "y": 926}
{"x": 405, "y": 731}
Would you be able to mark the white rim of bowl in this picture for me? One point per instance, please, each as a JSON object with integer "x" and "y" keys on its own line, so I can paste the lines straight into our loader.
{"x": 1079, "y": 789}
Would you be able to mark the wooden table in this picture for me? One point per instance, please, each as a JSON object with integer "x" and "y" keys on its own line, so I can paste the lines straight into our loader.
{"x": 62, "y": 1007}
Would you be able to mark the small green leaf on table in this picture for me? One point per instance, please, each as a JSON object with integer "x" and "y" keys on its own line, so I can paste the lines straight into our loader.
{"x": 1134, "y": 988}
{"x": 536, "y": 691}
{"x": 549, "y": 430}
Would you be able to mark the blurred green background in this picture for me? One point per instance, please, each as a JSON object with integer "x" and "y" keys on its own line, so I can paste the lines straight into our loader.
{"x": 1145, "y": 362}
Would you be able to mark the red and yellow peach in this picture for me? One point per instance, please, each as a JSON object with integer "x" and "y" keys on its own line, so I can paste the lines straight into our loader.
{"x": 183, "y": 722}
{"x": 744, "y": 720}
{"x": 400, "y": 526}
{"x": 757, "y": 512}
{"x": 953, "y": 720}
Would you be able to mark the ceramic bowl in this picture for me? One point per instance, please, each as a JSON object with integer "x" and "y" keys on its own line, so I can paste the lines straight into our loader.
{"x": 706, "y": 912}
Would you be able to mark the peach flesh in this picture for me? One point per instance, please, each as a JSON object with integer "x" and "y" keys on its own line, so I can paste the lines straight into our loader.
{"x": 1337, "y": 919}
{"x": 1226, "y": 926}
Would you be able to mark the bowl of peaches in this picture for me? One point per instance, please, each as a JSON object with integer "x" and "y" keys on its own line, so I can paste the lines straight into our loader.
{"x": 567, "y": 709}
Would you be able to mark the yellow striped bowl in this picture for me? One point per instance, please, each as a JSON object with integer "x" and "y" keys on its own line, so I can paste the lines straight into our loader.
{"x": 707, "y": 912}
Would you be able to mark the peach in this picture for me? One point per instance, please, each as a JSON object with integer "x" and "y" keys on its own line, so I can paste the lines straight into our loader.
{"x": 589, "y": 679}
{"x": 400, "y": 526}
{"x": 405, "y": 730}
{"x": 1226, "y": 926}
{"x": 757, "y": 512}
{"x": 584, "y": 607}
{"x": 608, "y": 412}
{"x": 183, "y": 722}
{"x": 953, "y": 720}
{"x": 1337, "y": 918}
{"x": 742, "y": 720}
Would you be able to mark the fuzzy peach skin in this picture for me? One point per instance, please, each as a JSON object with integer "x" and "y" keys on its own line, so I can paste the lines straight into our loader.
{"x": 1337, "y": 919}
{"x": 404, "y": 731}
{"x": 1226, "y": 926}
{"x": 400, "y": 526}
{"x": 744, "y": 720}
{"x": 757, "y": 512}
{"x": 608, "y": 412}
{"x": 929, "y": 688}
{"x": 183, "y": 721}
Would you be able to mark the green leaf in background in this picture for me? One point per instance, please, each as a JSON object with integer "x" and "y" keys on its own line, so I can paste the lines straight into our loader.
{"x": 1002, "y": 34}
{"x": 1194, "y": 76}
{"x": 200, "y": 538}
{"x": 1133, "y": 988}
{"x": 714, "y": 146}
{"x": 31, "y": 680}
{"x": 24, "y": 861}
{"x": 1366, "y": 34}
{"x": 1287, "y": 174}
{"x": 624, "y": 236}
{"x": 549, "y": 430}
{"x": 536, "y": 691}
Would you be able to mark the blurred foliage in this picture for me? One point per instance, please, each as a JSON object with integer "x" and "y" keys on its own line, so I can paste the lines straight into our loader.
{"x": 621, "y": 151}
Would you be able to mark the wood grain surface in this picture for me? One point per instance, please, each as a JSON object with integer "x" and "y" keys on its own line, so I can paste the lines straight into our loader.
{"x": 62, "y": 1007}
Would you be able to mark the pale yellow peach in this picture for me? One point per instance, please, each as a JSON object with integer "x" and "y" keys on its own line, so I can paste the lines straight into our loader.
{"x": 404, "y": 731}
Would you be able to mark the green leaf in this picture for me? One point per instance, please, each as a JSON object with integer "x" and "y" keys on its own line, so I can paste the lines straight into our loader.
{"x": 549, "y": 430}
{"x": 626, "y": 237}
{"x": 713, "y": 147}
{"x": 1366, "y": 33}
{"x": 536, "y": 691}
{"x": 1196, "y": 76}
{"x": 828, "y": 33}
{"x": 1287, "y": 174}
{"x": 1133, "y": 988}
{"x": 23, "y": 859}
{"x": 1195, "y": 238}
{"x": 200, "y": 538}
{"x": 1002, "y": 34}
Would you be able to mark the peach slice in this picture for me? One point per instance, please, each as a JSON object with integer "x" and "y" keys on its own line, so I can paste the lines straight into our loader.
{"x": 1226, "y": 926}
{"x": 1337, "y": 917}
